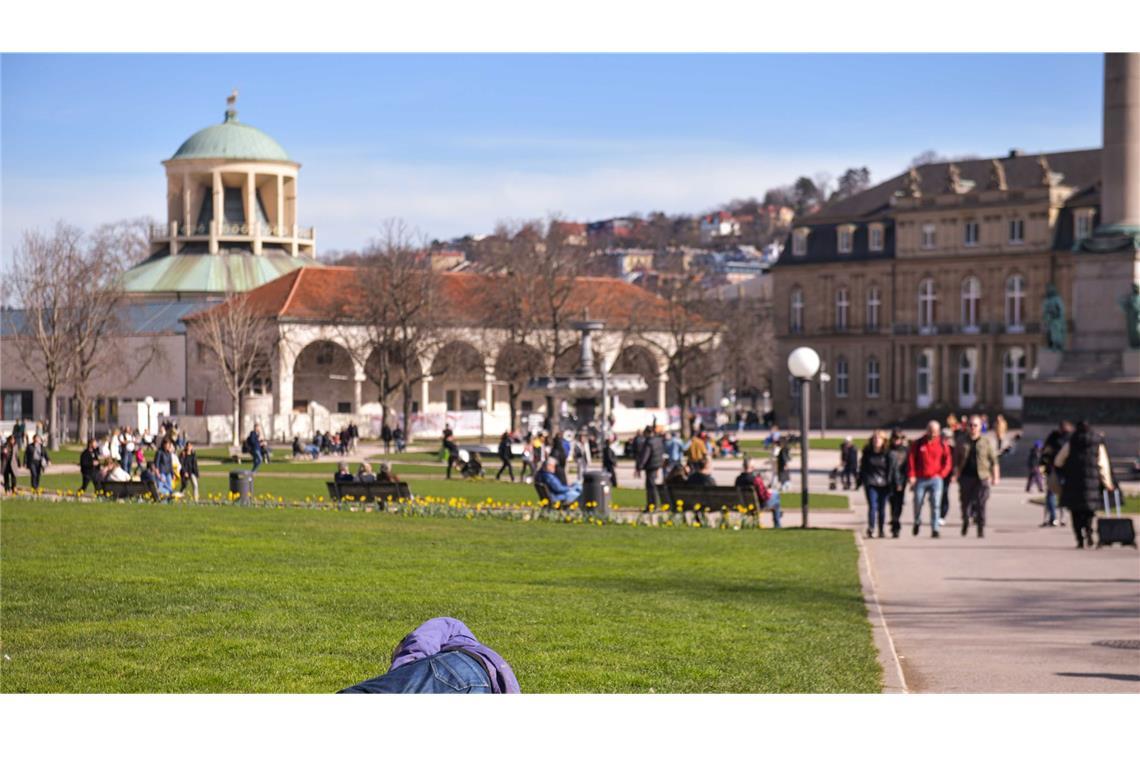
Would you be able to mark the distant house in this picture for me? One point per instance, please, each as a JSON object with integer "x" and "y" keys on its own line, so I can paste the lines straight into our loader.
{"x": 617, "y": 228}
{"x": 573, "y": 233}
{"x": 718, "y": 225}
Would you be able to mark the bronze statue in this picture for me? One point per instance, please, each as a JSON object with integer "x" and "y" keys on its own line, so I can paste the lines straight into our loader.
{"x": 1053, "y": 316}
{"x": 1131, "y": 306}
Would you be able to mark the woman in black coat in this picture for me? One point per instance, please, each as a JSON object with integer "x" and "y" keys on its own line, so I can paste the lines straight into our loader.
{"x": 898, "y": 478}
{"x": 1084, "y": 465}
{"x": 874, "y": 476}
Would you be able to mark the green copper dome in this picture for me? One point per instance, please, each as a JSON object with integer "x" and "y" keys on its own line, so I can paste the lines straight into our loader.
{"x": 231, "y": 139}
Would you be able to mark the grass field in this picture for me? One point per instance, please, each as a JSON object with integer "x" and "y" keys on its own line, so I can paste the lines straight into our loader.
{"x": 101, "y": 597}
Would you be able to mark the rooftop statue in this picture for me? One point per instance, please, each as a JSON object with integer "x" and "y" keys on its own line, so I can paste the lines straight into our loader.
{"x": 1053, "y": 316}
{"x": 1131, "y": 305}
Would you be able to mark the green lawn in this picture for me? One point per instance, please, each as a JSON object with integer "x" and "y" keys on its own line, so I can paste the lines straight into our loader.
{"x": 312, "y": 486}
{"x": 101, "y": 597}
{"x": 754, "y": 446}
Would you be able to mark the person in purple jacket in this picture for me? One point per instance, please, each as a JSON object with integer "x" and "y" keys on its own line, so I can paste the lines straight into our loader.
{"x": 442, "y": 656}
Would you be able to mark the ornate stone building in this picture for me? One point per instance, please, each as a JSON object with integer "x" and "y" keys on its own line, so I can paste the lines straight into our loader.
{"x": 923, "y": 294}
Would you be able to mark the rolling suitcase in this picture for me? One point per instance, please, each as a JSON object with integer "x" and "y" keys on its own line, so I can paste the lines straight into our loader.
{"x": 1114, "y": 530}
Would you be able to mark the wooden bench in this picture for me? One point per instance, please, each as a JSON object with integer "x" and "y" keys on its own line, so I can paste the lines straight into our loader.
{"x": 714, "y": 499}
{"x": 128, "y": 489}
{"x": 368, "y": 491}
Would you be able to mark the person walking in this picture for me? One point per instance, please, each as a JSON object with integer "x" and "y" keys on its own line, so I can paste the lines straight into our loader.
{"x": 1033, "y": 463}
{"x": 1087, "y": 473}
{"x": 1054, "y": 442}
{"x": 636, "y": 447}
{"x": 609, "y": 463}
{"x": 674, "y": 449}
{"x": 849, "y": 463}
{"x": 976, "y": 469}
{"x": 386, "y": 437}
{"x": 8, "y": 463}
{"x": 451, "y": 449}
{"x": 189, "y": 459}
{"x": 874, "y": 476}
{"x": 928, "y": 463}
{"x": 36, "y": 458}
{"x": 505, "y": 456}
{"x": 652, "y": 458}
{"x": 89, "y": 465}
{"x": 950, "y": 441}
{"x": 255, "y": 447}
{"x": 581, "y": 453}
{"x": 897, "y": 458}
{"x": 697, "y": 451}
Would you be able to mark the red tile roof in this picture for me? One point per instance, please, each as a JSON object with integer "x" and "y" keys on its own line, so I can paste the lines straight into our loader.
{"x": 324, "y": 294}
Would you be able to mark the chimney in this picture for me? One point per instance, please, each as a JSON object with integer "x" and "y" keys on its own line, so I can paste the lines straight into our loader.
{"x": 1015, "y": 152}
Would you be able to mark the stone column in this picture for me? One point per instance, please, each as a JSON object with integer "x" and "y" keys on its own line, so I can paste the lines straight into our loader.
{"x": 1120, "y": 158}
{"x": 425, "y": 394}
{"x": 251, "y": 217}
{"x": 662, "y": 383}
{"x": 357, "y": 393}
{"x": 187, "y": 221}
{"x": 279, "y": 222}
{"x": 219, "y": 211}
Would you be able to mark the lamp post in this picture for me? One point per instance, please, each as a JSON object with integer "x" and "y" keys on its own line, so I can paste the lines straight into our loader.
{"x": 149, "y": 401}
{"x": 482, "y": 411}
{"x": 824, "y": 379}
{"x": 803, "y": 364}
{"x": 724, "y": 404}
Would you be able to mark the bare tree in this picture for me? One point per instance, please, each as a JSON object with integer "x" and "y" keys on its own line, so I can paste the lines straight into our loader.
{"x": 399, "y": 315}
{"x": 45, "y": 279}
{"x": 680, "y": 333}
{"x": 745, "y": 351}
{"x": 242, "y": 340}
{"x": 131, "y": 238}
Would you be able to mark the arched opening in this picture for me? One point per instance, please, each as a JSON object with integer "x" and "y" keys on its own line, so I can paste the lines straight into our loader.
{"x": 968, "y": 378}
{"x": 637, "y": 360}
{"x": 323, "y": 374}
{"x": 924, "y": 378}
{"x": 458, "y": 377}
{"x": 515, "y": 365}
{"x": 1013, "y": 376}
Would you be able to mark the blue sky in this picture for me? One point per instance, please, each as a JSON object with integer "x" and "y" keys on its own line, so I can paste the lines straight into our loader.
{"x": 453, "y": 143}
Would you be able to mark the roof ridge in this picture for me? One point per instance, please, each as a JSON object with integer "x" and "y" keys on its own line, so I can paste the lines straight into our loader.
{"x": 292, "y": 290}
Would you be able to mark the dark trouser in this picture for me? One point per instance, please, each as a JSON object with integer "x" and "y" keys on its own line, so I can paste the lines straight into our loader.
{"x": 1035, "y": 479}
{"x": 450, "y": 464}
{"x": 973, "y": 493}
{"x": 88, "y": 477}
{"x": 652, "y": 496}
{"x": 526, "y": 466}
{"x": 848, "y": 478}
{"x": 506, "y": 466}
{"x": 944, "y": 508}
{"x": 612, "y": 473}
{"x": 897, "y": 497}
{"x": 387, "y": 446}
{"x": 1082, "y": 523}
{"x": 876, "y": 506}
{"x": 37, "y": 470}
{"x": 9, "y": 479}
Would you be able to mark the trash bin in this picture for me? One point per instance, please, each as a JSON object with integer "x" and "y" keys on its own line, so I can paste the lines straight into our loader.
{"x": 596, "y": 491}
{"x": 241, "y": 483}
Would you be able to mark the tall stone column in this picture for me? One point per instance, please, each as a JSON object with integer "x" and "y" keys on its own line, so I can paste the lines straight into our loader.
{"x": 1120, "y": 157}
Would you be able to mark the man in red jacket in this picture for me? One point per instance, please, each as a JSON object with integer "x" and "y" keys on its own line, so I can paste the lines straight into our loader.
{"x": 929, "y": 463}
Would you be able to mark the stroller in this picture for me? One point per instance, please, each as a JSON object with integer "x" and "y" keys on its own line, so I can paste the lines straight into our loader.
{"x": 472, "y": 464}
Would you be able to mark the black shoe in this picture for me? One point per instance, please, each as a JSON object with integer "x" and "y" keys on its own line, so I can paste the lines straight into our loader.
{"x": 934, "y": 534}
{"x": 894, "y": 534}
{"x": 981, "y": 532}
{"x": 870, "y": 533}
{"x": 966, "y": 527}
{"x": 916, "y": 527}
{"x": 881, "y": 535}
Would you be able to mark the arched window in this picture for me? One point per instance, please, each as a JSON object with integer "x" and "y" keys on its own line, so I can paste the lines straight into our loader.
{"x": 968, "y": 378}
{"x": 924, "y": 377}
{"x": 842, "y": 309}
{"x": 874, "y": 302}
{"x": 841, "y": 377}
{"x": 1013, "y": 376}
{"x": 796, "y": 314}
{"x": 1015, "y": 303}
{"x": 971, "y": 300}
{"x": 872, "y": 377}
{"x": 926, "y": 298}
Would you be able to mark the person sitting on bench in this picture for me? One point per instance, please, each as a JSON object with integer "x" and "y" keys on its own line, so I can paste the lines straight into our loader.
{"x": 386, "y": 475}
{"x": 559, "y": 492}
{"x": 342, "y": 473}
{"x": 765, "y": 499}
{"x": 703, "y": 476}
{"x": 442, "y": 656}
{"x": 364, "y": 473}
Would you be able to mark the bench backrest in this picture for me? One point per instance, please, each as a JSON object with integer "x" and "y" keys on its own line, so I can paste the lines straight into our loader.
{"x": 369, "y": 491}
{"x": 126, "y": 489}
{"x": 711, "y": 497}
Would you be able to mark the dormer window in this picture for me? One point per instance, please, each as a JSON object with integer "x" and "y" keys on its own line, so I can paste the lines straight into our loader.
{"x": 1016, "y": 231}
{"x": 846, "y": 237}
{"x": 1082, "y": 223}
{"x": 799, "y": 241}
{"x": 875, "y": 237}
{"x": 929, "y": 236}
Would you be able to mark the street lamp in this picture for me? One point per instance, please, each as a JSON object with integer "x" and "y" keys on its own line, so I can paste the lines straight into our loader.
{"x": 725, "y": 402}
{"x": 824, "y": 379}
{"x": 149, "y": 401}
{"x": 803, "y": 363}
{"x": 482, "y": 411}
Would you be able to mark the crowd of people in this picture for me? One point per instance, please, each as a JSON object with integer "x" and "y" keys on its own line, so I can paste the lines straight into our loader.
{"x": 327, "y": 443}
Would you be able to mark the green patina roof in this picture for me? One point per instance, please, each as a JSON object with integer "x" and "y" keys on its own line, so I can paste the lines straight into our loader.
{"x": 210, "y": 273}
{"x": 231, "y": 139}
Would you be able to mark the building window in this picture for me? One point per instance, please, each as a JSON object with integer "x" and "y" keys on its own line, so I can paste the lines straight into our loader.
{"x": 926, "y": 299}
{"x": 841, "y": 376}
{"x": 971, "y": 299}
{"x": 874, "y": 302}
{"x": 344, "y": 407}
{"x": 875, "y": 237}
{"x": 799, "y": 242}
{"x": 846, "y": 236}
{"x": 1016, "y": 231}
{"x": 1013, "y": 376}
{"x": 796, "y": 319}
{"x": 793, "y": 386}
{"x": 1015, "y": 303}
{"x": 17, "y": 406}
{"x": 872, "y": 377}
{"x": 967, "y": 378}
{"x": 970, "y": 234}
{"x": 1083, "y": 219}
{"x": 929, "y": 236}
{"x": 924, "y": 378}
{"x": 842, "y": 307}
